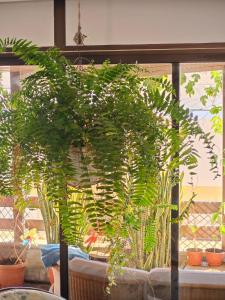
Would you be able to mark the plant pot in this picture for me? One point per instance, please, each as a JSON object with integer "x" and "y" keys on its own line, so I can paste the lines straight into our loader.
{"x": 214, "y": 256}
{"x": 194, "y": 256}
{"x": 12, "y": 275}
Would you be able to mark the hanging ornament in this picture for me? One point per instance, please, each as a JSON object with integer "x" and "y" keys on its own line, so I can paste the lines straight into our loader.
{"x": 79, "y": 36}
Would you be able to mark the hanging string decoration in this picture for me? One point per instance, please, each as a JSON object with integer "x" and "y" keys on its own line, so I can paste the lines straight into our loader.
{"x": 79, "y": 36}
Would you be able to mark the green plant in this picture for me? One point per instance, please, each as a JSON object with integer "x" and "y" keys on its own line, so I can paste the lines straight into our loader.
{"x": 190, "y": 84}
{"x": 208, "y": 96}
{"x": 12, "y": 181}
{"x": 49, "y": 215}
{"x": 194, "y": 230}
{"x": 150, "y": 238}
{"x": 107, "y": 131}
{"x": 217, "y": 217}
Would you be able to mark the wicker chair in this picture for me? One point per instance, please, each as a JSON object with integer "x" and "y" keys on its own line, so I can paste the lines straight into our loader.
{"x": 194, "y": 284}
{"x": 88, "y": 280}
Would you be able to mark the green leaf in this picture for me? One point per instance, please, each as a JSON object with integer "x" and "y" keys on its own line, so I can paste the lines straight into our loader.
{"x": 215, "y": 217}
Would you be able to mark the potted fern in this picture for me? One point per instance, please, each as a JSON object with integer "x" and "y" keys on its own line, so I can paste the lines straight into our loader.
{"x": 100, "y": 130}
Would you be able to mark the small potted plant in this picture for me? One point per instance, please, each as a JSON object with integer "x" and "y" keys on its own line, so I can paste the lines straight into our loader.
{"x": 12, "y": 269}
{"x": 215, "y": 256}
{"x": 194, "y": 254}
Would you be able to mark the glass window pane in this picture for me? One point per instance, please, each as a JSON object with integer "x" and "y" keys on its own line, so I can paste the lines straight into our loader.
{"x": 107, "y": 22}
{"x": 202, "y": 93}
{"x": 32, "y": 20}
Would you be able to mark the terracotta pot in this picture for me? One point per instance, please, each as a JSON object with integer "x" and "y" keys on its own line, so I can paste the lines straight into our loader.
{"x": 50, "y": 276}
{"x": 12, "y": 275}
{"x": 194, "y": 256}
{"x": 214, "y": 256}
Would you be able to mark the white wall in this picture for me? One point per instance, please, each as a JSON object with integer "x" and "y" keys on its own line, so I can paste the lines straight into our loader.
{"x": 149, "y": 21}
{"x": 32, "y": 20}
{"x": 118, "y": 21}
